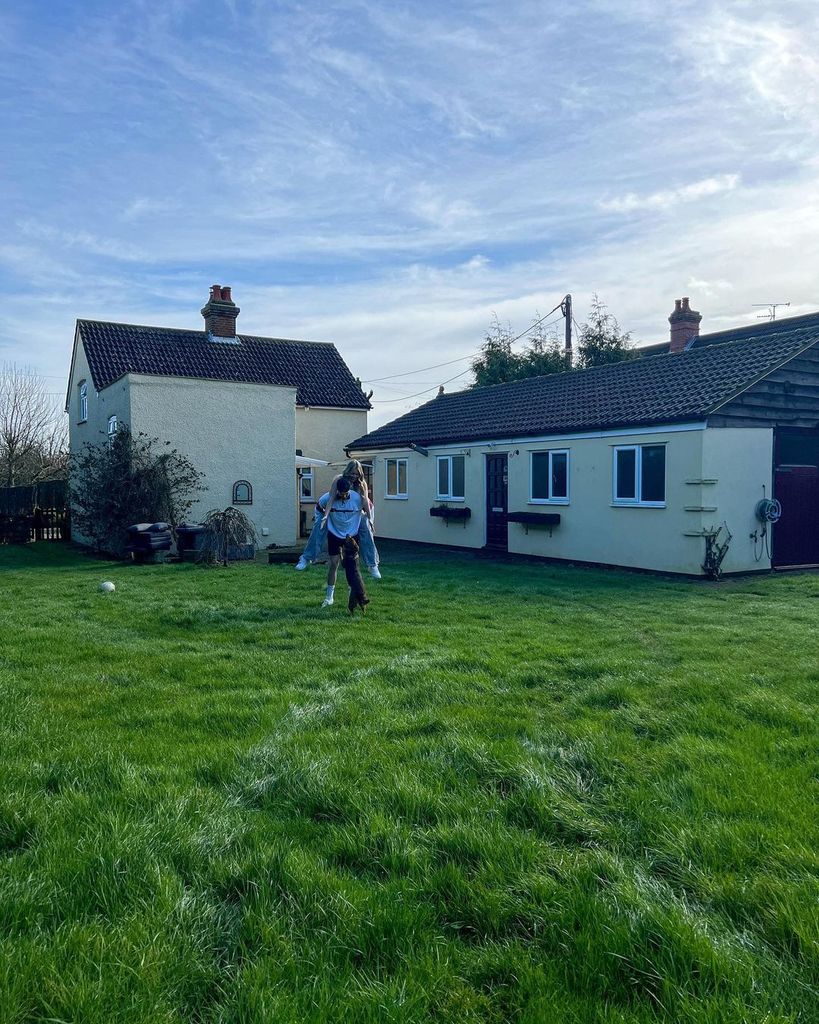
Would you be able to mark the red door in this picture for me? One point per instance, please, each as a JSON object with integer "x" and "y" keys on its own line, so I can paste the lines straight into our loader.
{"x": 796, "y": 486}
{"x": 497, "y": 503}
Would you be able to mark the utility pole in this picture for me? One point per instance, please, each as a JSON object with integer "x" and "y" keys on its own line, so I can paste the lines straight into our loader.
{"x": 771, "y": 307}
{"x": 566, "y": 310}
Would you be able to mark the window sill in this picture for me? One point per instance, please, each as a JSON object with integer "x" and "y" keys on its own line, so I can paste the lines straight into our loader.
{"x": 548, "y": 501}
{"x": 396, "y": 497}
{"x": 445, "y": 497}
{"x": 639, "y": 504}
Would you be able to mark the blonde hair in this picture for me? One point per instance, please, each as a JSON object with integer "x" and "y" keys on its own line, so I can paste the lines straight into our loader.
{"x": 354, "y": 472}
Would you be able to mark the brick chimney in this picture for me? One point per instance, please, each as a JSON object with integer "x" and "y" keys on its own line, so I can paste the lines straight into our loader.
{"x": 220, "y": 312}
{"x": 685, "y": 325}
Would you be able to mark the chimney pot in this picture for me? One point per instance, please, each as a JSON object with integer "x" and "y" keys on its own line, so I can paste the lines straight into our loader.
{"x": 220, "y": 312}
{"x": 685, "y": 325}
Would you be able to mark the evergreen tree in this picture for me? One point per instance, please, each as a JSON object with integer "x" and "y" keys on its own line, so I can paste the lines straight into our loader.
{"x": 601, "y": 340}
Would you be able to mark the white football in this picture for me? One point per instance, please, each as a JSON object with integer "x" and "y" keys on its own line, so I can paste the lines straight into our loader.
{"x": 108, "y": 587}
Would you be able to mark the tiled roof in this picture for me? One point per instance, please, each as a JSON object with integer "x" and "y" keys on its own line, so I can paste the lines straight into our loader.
{"x": 639, "y": 392}
{"x": 315, "y": 369}
{"x": 745, "y": 333}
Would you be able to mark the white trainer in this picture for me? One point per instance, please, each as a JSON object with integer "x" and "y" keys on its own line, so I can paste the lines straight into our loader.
{"x": 374, "y": 572}
{"x": 302, "y": 563}
{"x": 326, "y": 602}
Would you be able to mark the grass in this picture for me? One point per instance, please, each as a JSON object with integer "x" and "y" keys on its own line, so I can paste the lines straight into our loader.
{"x": 510, "y": 793}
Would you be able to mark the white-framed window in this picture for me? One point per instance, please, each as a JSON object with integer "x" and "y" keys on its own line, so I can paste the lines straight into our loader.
{"x": 396, "y": 470}
{"x": 450, "y": 483}
{"x": 306, "y": 484}
{"x": 83, "y": 401}
{"x": 549, "y": 477}
{"x": 638, "y": 475}
{"x": 112, "y": 428}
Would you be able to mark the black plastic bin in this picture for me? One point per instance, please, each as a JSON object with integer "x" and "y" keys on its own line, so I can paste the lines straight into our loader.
{"x": 189, "y": 540}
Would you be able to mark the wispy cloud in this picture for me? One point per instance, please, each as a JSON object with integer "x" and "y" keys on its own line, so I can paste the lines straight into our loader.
{"x": 666, "y": 198}
{"x": 385, "y": 176}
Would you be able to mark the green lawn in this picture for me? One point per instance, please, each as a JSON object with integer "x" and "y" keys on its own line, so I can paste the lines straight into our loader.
{"x": 512, "y": 793}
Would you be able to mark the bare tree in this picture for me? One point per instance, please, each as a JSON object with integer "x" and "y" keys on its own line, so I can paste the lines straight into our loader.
{"x": 33, "y": 438}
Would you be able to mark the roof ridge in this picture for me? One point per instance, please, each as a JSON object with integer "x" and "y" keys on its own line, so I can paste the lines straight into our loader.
{"x": 191, "y": 330}
{"x": 669, "y": 388}
{"x": 771, "y": 327}
{"x": 606, "y": 367}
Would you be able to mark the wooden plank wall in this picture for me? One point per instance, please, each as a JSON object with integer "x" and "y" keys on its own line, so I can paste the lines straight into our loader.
{"x": 787, "y": 397}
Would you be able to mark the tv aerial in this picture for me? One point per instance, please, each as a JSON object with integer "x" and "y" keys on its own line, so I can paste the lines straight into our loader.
{"x": 771, "y": 307}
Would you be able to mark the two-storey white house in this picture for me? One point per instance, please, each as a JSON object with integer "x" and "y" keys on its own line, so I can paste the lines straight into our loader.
{"x": 262, "y": 418}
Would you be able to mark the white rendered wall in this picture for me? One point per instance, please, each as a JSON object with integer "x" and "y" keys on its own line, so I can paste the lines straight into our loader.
{"x": 592, "y": 527}
{"x": 322, "y": 434}
{"x": 230, "y": 432}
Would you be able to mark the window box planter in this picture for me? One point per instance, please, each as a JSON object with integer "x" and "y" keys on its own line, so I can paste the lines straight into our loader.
{"x": 549, "y": 520}
{"x": 458, "y": 514}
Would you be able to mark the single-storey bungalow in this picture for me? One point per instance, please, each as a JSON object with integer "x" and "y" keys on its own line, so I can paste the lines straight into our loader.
{"x": 265, "y": 419}
{"x": 650, "y": 463}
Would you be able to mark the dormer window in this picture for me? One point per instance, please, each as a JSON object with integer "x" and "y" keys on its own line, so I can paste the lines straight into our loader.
{"x": 83, "y": 401}
{"x": 112, "y": 429}
{"x": 242, "y": 493}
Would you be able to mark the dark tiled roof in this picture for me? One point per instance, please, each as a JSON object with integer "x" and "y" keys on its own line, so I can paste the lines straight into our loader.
{"x": 638, "y": 392}
{"x": 749, "y": 331}
{"x": 315, "y": 369}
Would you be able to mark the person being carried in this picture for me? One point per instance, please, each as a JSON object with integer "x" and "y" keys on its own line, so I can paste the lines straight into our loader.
{"x": 354, "y": 475}
{"x": 344, "y": 518}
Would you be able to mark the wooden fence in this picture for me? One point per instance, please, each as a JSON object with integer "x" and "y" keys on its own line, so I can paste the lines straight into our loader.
{"x": 37, "y": 512}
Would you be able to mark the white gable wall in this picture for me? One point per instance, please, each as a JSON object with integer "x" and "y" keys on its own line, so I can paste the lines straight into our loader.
{"x": 230, "y": 432}
{"x": 113, "y": 400}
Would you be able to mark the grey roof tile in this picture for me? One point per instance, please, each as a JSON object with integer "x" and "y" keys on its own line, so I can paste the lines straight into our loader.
{"x": 638, "y": 392}
{"x": 315, "y": 369}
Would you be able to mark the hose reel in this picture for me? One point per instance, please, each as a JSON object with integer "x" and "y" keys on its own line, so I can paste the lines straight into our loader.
{"x": 768, "y": 510}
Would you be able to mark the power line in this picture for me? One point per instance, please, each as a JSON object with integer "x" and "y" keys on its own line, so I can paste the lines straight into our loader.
{"x": 407, "y": 398}
{"x": 472, "y": 355}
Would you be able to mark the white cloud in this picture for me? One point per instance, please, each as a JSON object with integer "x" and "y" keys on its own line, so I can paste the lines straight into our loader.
{"x": 767, "y": 58}
{"x": 387, "y": 176}
{"x": 666, "y": 198}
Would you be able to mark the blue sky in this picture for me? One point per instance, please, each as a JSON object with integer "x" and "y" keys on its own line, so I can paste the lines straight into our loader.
{"x": 388, "y": 175}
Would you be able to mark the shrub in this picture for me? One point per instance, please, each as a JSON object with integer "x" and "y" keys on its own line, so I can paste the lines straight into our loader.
{"x": 224, "y": 531}
{"x": 134, "y": 478}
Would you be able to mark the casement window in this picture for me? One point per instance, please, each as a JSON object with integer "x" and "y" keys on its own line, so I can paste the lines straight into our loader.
{"x": 396, "y": 478}
{"x": 368, "y": 476}
{"x": 242, "y": 493}
{"x": 306, "y": 484}
{"x": 450, "y": 479}
{"x": 83, "y": 401}
{"x": 549, "y": 477}
{"x": 112, "y": 429}
{"x": 639, "y": 475}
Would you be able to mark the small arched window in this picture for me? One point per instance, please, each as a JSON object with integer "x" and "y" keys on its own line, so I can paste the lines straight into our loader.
{"x": 112, "y": 428}
{"x": 83, "y": 401}
{"x": 242, "y": 493}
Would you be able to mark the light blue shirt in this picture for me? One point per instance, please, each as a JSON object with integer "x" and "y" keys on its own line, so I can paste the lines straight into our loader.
{"x": 345, "y": 516}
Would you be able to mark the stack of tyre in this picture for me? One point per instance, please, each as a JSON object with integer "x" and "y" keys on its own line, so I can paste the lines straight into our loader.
{"x": 148, "y": 539}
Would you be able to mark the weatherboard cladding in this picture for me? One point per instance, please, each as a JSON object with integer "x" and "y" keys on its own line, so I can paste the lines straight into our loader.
{"x": 687, "y": 386}
{"x": 315, "y": 369}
